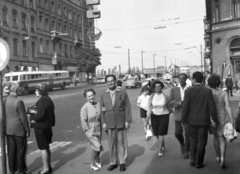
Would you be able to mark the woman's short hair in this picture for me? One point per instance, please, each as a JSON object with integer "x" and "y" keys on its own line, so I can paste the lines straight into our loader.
{"x": 214, "y": 81}
{"x": 110, "y": 75}
{"x": 88, "y": 90}
{"x": 157, "y": 82}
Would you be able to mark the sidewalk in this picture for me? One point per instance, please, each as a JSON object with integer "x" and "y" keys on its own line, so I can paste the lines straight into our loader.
{"x": 142, "y": 159}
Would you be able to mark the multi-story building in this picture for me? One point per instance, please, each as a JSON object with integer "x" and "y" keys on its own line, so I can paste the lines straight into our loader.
{"x": 45, "y": 34}
{"x": 222, "y": 37}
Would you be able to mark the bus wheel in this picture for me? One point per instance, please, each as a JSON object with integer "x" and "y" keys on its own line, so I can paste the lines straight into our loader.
{"x": 63, "y": 86}
{"x": 25, "y": 91}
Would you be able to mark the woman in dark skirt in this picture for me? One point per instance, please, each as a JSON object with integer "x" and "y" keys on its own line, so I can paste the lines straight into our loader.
{"x": 158, "y": 111}
{"x": 42, "y": 122}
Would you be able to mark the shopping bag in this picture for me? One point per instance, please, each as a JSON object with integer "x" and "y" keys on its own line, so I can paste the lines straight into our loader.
{"x": 229, "y": 132}
{"x": 149, "y": 133}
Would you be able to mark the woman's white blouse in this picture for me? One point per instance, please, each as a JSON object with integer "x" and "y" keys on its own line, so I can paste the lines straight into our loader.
{"x": 159, "y": 104}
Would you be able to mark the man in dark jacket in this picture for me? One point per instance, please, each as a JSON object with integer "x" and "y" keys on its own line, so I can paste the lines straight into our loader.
{"x": 42, "y": 122}
{"x": 229, "y": 84}
{"x": 198, "y": 105}
{"x": 17, "y": 130}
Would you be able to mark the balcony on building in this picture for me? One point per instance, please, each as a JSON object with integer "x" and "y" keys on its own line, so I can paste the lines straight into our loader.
{"x": 77, "y": 41}
{"x": 206, "y": 36}
{"x": 208, "y": 50}
{"x": 55, "y": 36}
{"x": 56, "y": 57}
{"x": 207, "y": 27}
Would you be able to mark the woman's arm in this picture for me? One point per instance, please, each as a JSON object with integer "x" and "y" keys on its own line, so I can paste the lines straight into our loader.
{"x": 227, "y": 107}
{"x": 84, "y": 119}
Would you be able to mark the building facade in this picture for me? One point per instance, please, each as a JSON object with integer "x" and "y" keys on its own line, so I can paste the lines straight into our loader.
{"x": 45, "y": 34}
{"x": 222, "y": 37}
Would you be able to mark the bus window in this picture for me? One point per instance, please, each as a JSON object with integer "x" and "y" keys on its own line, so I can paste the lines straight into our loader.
{"x": 29, "y": 77}
{"x": 40, "y": 76}
{"x": 7, "y": 79}
{"x": 14, "y": 78}
{"x": 32, "y": 76}
{"x": 23, "y": 77}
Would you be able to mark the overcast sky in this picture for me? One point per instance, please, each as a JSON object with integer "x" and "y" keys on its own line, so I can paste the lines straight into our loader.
{"x": 130, "y": 24}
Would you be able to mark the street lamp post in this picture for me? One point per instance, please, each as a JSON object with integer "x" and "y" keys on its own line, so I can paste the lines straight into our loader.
{"x": 129, "y": 67}
{"x": 154, "y": 64}
{"x": 142, "y": 59}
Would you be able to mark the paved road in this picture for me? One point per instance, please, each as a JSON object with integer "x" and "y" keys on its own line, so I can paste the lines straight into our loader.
{"x": 71, "y": 150}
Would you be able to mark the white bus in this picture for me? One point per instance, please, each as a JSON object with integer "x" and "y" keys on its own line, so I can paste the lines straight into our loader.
{"x": 27, "y": 81}
{"x": 185, "y": 70}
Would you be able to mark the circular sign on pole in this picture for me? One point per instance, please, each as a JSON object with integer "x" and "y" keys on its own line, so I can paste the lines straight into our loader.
{"x": 4, "y": 54}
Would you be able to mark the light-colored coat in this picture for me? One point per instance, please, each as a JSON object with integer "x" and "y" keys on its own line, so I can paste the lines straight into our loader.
{"x": 115, "y": 116}
{"x": 175, "y": 97}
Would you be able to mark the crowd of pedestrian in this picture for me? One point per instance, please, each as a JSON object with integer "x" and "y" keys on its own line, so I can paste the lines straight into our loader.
{"x": 198, "y": 111}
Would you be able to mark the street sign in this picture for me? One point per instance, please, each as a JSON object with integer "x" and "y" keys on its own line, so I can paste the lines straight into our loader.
{"x": 4, "y": 54}
{"x": 93, "y": 2}
{"x": 93, "y": 14}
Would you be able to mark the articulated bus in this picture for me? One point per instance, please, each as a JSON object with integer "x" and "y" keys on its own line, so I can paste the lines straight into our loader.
{"x": 27, "y": 81}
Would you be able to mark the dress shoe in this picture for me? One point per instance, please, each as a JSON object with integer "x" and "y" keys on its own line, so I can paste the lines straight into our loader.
{"x": 112, "y": 167}
{"x": 122, "y": 167}
{"x": 192, "y": 163}
{"x": 200, "y": 166}
{"x": 94, "y": 167}
{"x": 186, "y": 155}
{"x": 50, "y": 169}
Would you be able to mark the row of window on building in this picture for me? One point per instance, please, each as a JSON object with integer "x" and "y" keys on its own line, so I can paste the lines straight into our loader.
{"x": 234, "y": 6}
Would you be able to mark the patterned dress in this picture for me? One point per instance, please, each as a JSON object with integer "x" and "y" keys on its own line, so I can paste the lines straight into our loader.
{"x": 90, "y": 121}
{"x": 221, "y": 112}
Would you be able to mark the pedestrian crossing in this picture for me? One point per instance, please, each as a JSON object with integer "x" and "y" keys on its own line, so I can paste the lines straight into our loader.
{"x": 54, "y": 145}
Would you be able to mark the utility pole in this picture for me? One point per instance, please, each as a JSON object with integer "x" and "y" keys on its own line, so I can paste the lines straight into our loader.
{"x": 142, "y": 59}
{"x": 2, "y": 115}
{"x": 129, "y": 67}
{"x": 154, "y": 64}
{"x": 119, "y": 70}
{"x": 165, "y": 63}
{"x": 201, "y": 59}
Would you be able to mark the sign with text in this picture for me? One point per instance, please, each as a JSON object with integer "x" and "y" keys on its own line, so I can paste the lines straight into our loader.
{"x": 4, "y": 54}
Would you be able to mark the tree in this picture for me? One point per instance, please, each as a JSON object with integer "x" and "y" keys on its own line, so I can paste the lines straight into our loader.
{"x": 88, "y": 59}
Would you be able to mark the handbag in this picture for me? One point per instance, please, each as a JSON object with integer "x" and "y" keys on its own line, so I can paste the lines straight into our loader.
{"x": 149, "y": 133}
{"x": 32, "y": 110}
{"x": 229, "y": 132}
{"x": 237, "y": 123}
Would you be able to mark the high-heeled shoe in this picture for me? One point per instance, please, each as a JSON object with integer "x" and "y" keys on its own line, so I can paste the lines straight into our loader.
{"x": 47, "y": 172}
{"x": 94, "y": 168}
{"x": 99, "y": 165}
{"x": 160, "y": 153}
{"x": 223, "y": 166}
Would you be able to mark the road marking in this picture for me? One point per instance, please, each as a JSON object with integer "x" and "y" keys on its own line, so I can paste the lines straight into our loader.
{"x": 54, "y": 145}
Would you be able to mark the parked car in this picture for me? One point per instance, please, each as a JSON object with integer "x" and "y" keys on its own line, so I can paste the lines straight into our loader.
{"x": 132, "y": 83}
{"x": 101, "y": 80}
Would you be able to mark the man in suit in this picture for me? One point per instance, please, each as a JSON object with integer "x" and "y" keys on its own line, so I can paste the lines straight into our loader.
{"x": 198, "y": 105}
{"x": 176, "y": 100}
{"x": 116, "y": 117}
{"x": 17, "y": 131}
{"x": 229, "y": 84}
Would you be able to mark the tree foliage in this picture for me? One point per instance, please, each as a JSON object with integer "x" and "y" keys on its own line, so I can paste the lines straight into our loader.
{"x": 88, "y": 59}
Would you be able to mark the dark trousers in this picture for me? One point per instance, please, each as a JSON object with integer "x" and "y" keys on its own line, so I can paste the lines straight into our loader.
{"x": 229, "y": 89}
{"x": 16, "y": 148}
{"x": 183, "y": 140}
{"x": 198, "y": 142}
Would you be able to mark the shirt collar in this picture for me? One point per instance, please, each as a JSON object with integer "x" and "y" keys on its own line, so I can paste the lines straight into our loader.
{"x": 186, "y": 86}
{"x": 117, "y": 89}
